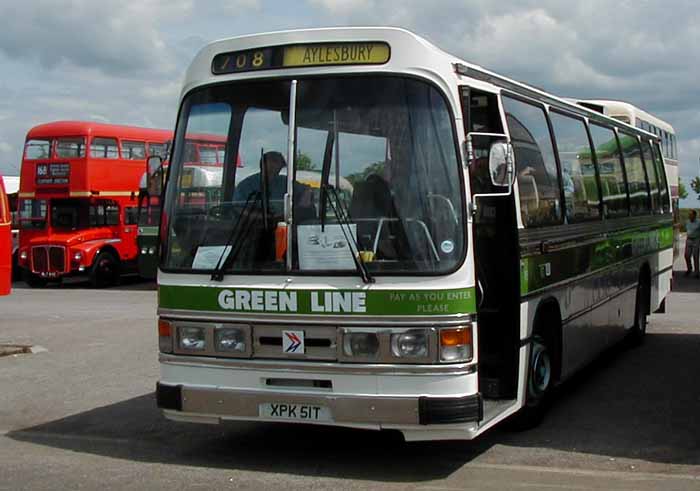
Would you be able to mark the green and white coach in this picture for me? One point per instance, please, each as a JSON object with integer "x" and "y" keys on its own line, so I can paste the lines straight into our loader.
{"x": 399, "y": 239}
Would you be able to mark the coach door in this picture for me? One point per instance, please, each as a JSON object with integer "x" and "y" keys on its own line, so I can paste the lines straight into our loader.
{"x": 495, "y": 257}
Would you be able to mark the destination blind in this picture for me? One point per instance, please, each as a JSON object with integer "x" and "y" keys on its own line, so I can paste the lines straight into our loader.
{"x": 301, "y": 55}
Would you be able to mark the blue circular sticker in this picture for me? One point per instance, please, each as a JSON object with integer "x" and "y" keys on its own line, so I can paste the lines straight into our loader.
{"x": 447, "y": 246}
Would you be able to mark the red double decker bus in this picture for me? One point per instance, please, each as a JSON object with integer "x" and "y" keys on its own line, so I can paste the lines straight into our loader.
{"x": 78, "y": 199}
{"x": 5, "y": 242}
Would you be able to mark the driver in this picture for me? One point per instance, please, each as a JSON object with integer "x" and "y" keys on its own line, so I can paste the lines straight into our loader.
{"x": 276, "y": 184}
{"x": 274, "y": 162}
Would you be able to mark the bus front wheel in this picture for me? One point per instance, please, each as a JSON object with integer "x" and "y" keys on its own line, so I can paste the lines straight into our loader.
{"x": 105, "y": 270}
{"x": 641, "y": 309}
{"x": 539, "y": 383}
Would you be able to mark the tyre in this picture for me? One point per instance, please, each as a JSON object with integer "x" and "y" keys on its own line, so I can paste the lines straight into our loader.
{"x": 33, "y": 280}
{"x": 105, "y": 270}
{"x": 641, "y": 309}
{"x": 540, "y": 377}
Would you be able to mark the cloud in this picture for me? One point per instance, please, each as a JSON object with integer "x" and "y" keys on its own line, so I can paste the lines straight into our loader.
{"x": 123, "y": 60}
{"x": 643, "y": 53}
{"x": 119, "y": 38}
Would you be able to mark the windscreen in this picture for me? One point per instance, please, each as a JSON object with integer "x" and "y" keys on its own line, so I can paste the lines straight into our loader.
{"x": 376, "y": 175}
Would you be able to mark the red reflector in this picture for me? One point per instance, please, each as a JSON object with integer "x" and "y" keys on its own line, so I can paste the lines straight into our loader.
{"x": 164, "y": 328}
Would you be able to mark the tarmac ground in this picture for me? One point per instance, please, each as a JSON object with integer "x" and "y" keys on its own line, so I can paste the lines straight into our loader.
{"x": 80, "y": 413}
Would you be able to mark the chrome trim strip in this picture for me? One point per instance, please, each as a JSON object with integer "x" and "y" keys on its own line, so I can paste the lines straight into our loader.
{"x": 345, "y": 321}
{"x": 319, "y": 367}
{"x": 343, "y": 408}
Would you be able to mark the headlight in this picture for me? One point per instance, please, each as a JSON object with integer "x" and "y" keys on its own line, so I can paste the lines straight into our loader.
{"x": 192, "y": 338}
{"x": 151, "y": 250}
{"x": 360, "y": 344}
{"x": 456, "y": 344}
{"x": 412, "y": 344}
{"x": 23, "y": 256}
{"x": 77, "y": 256}
{"x": 230, "y": 339}
{"x": 144, "y": 251}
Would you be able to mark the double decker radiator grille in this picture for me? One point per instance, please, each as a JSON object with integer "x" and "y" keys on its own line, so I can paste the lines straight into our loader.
{"x": 49, "y": 259}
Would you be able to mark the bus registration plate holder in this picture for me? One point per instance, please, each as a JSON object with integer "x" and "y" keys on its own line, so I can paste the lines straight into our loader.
{"x": 294, "y": 412}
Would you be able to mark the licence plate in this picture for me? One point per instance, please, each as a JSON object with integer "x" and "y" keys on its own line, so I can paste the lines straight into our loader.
{"x": 294, "y": 412}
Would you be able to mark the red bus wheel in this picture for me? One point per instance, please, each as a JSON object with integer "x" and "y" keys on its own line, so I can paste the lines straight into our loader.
{"x": 105, "y": 270}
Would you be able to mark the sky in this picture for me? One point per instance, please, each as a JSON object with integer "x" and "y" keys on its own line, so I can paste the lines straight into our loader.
{"x": 122, "y": 61}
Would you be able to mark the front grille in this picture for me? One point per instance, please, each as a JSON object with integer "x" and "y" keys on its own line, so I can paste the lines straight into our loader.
{"x": 49, "y": 259}
{"x": 320, "y": 342}
{"x": 40, "y": 260}
{"x": 57, "y": 259}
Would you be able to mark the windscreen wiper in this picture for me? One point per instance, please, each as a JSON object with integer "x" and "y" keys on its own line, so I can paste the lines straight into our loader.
{"x": 344, "y": 222}
{"x": 256, "y": 196}
{"x": 236, "y": 231}
{"x": 325, "y": 176}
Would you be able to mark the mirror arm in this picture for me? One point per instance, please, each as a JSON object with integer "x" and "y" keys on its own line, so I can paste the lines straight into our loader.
{"x": 469, "y": 150}
{"x": 473, "y": 206}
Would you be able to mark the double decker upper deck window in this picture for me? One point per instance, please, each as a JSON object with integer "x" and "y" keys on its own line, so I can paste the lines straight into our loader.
{"x": 37, "y": 149}
{"x": 133, "y": 150}
{"x": 70, "y": 147}
{"x": 104, "y": 148}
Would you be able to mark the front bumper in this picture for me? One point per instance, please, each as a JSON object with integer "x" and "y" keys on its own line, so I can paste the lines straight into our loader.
{"x": 351, "y": 410}
{"x": 424, "y": 402}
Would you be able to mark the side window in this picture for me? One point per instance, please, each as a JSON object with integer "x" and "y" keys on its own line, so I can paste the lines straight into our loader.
{"x": 104, "y": 148}
{"x": 538, "y": 181}
{"x": 636, "y": 175}
{"x": 70, "y": 147}
{"x": 652, "y": 178}
{"x": 482, "y": 115}
{"x": 661, "y": 172}
{"x": 132, "y": 150}
{"x": 111, "y": 213}
{"x": 612, "y": 175}
{"x": 97, "y": 215}
{"x": 131, "y": 214}
{"x": 158, "y": 149}
{"x": 581, "y": 197}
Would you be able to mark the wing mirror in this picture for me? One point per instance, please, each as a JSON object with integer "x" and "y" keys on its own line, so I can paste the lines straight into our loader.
{"x": 154, "y": 174}
{"x": 153, "y": 163}
{"x": 501, "y": 164}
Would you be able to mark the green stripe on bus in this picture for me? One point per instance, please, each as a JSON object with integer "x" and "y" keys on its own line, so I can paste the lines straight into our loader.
{"x": 318, "y": 302}
{"x": 148, "y": 230}
{"x": 540, "y": 271}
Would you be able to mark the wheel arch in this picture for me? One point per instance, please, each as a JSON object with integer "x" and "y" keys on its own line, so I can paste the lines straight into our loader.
{"x": 645, "y": 279}
{"x": 547, "y": 323}
{"x": 106, "y": 248}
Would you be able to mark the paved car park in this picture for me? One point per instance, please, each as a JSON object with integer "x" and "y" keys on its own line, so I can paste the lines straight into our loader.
{"x": 81, "y": 414}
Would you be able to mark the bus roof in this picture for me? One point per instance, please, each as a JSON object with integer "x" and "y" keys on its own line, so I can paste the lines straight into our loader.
{"x": 87, "y": 128}
{"x": 618, "y": 108}
{"x": 419, "y": 55}
{"x": 409, "y": 53}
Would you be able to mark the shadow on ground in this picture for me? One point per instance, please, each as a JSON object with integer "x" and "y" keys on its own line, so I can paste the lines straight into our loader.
{"x": 127, "y": 283}
{"x": 685, "y": 284}
{"x": 640, "y": 403}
